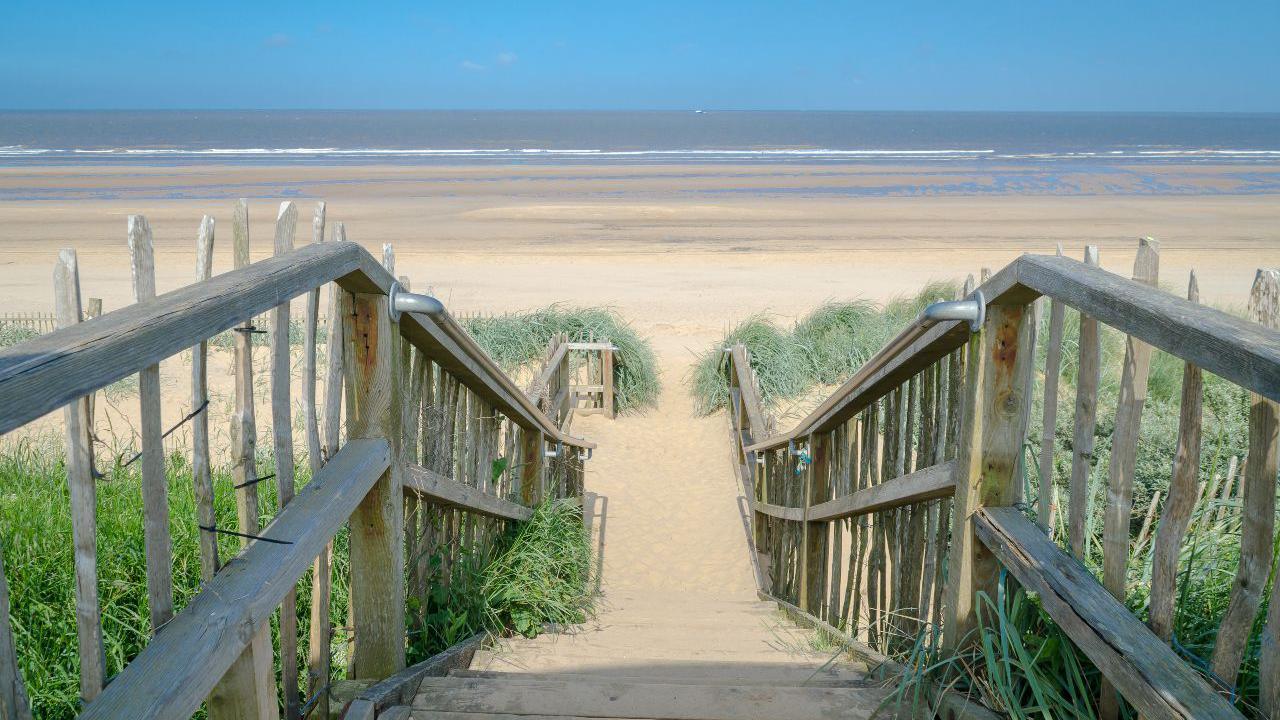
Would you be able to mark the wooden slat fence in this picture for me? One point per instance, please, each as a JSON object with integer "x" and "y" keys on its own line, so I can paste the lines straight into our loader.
{"x": 899, "y": 498}
{"x": 441, "y": 452}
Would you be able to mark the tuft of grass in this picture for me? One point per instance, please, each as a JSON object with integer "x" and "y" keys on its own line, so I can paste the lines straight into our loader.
{"x": 824, "y": 347}
{"x": 518, "y": 341}
{"x": 13, "y": 333}
{"x": 545, "y": 574}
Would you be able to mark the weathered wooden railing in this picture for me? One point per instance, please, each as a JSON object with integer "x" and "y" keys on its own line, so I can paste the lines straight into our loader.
{"x": 577, "y": 378}
{"x": 918, "y": 460}
{"x": 441, "y": 450}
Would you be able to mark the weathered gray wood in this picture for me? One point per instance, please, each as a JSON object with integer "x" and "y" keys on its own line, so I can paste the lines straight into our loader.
{"x": 1045, "y": 511}
{"x": 319, "y": 452}
{"x": 992, "y": 428}
{"x": 282, "y": 436}
{"x": 84, "y": 502}
{"x": 440, "y": 489}
{"x": 47, "y": 372}
{"x": 14, "y": 704}
{"x": 1181, "y": 501}
{"x": 173, "y": 674}
{"x": 1142, "y": 667}
{"x": 606, "y": 371}
{"x": 1257, "y": 527}
{"x": 925, "y": 484}
{"x": 403, "y": 686}
{"x": 1124, "y": 456}
{"x": 310, "y": 419}
{"x": 201, "y": 465}
{"x": 248, "y": 689}
{"x": 338, "y": 303}
{"x": 1244, "y": 352}
{"x": 377, "y": 525}
{"x": 155, "y": 489}
{"x": 1088, "y": 377}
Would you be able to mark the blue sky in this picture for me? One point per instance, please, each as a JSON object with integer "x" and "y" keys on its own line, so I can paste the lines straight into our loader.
{"x": 1177, "y": 55}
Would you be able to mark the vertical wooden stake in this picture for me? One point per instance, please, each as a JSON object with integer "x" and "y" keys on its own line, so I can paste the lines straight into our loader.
{"x": 282, "y": 435}
{"x": 1181, "y": 502}
{"x": 377, "y": 525}
{"x": 812, "y": 568}
{"x": 992, "y": 428}
{"x": 319, "y": 635}
{"x": 1257, "y": 528}
{"x": 80, "y": 484}
{"x": 1049, "y": 420}
{"x": 14, "y": 704}
{"x": 606, "y": 370}
{"x": 155, "y": 490}
{"x": 201, "y": 472}
{"x": 1088, "y": 377}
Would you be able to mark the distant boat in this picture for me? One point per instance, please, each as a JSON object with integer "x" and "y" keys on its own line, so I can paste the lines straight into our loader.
{"x": 699, "y": 112}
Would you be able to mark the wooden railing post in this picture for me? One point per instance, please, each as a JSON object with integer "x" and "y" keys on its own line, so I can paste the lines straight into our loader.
{"x": 992, "y": 426}
{"x": 531, "y": 461}
{"x": 377, "y": 525}
{"x": 812, "y": 565}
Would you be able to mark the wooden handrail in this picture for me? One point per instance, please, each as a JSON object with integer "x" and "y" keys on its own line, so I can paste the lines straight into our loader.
{"x": 1140, "y": 665}
{"x": 1245, "y": 353}
{"x": 45, "y": 373}
{"x": 438, "y": 488}
{"x": 178, "y": 669}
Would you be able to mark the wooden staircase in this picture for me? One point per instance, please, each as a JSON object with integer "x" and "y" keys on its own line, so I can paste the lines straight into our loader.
{"x": 710, "y": 660}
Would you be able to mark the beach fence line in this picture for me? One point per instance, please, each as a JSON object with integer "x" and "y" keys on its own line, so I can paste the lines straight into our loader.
{"x": 918, "y": 460}
{"x": 437, "y": 455}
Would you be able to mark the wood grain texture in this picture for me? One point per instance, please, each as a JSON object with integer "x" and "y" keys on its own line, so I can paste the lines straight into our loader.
{"x": 1141, "y": 666}
{"x": 1045, "y": 511}
{"x": 172, "y": 675}
{"x": 282, "y": 436}
{"x": 1088, "y": 378}
{"x": 45, "y": 373}
{"x": 84, "y": 497}
{"x": 14, "y": 703}
{"x": 1181, "y": 501}
{"x": 440, "y": 489}
{"x": 338, "y": 303}
{"x": 1257, "y": 530}
{"x": 310, "y": 416}
{"x": 377, "y": 525}
{"x": 201, "y": 465}
{"x": 929, "y": 483}
{"x": 155, "y": 487}
{"x": 992, "y": 428}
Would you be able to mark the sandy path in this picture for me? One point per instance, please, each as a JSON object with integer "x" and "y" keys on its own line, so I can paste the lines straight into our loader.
{"x": 679, "y": 596}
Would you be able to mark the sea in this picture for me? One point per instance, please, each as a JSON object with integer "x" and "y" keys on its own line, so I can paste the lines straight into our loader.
{"x": 182, "y": 137}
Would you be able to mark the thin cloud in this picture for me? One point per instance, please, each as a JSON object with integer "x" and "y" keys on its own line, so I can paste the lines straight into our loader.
{"x": 277, "y": 40}
{"x": 471, "y": 66}
{"x": 506, "y": 58}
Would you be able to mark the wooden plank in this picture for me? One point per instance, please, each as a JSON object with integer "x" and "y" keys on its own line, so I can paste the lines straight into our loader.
{"x": 14, "y": 704}
{"x": 1045, "y": 511}
{"x": 47, "y": 372}
{"x": 812, "y": 567}
{"x": 1257, "y": 529}
{"x": 1244, "y": 352}
{"x": 155, "y": 488}
{"x": 403, "y": 686}
{"x": 446, "y": 491}
{"x": 1181, "y": 501}
{"x": 282, "y": 435}
{"x": 310, "y": 420}
{"x": 930, "y": 483}
{"x": 318, "y": 452}
{"x": 1088, "y": 378}
{"x": 606, "y": 371}
{"x": 1142, "y": 667}
{"x": 201, "y": 464}
{"x": 992, "y": 428}
{"x": 172, "y": 675}
{"x": 84, "y": 499}
{"x": 377, "y": 525}
{"x": 338, "y": 302}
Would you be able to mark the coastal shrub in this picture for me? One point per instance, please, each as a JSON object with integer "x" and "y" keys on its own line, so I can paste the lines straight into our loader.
{"x": 518, "y": 341}
{"x": 545, "y": 574}
{"x": 824, "y": 347}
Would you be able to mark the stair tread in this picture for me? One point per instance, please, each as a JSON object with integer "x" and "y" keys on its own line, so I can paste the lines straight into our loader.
{"x": 798, "y": 677}
{"x": 622, "y": 699}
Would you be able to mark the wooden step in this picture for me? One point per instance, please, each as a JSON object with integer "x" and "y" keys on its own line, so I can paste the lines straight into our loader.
{"x": 510, "y": 695}
{"x": 740, "y": 675}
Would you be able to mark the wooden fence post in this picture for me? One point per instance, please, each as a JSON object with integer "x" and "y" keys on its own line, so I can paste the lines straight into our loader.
{"x": 606, "y": 372}
{"x": 812, "y": 568}
{"x": 155, "y": 489}
{"x": 83, "y": 492}
{"x": 377, "y": 525}
{"x": 14, "y": 704}
{"x": 1088, "y": 377}
{"x": 992, "y": 426}
{"x": 531, "y": 459}
{"x": 201, "y": 466}
{"x": 1045, "y": 510}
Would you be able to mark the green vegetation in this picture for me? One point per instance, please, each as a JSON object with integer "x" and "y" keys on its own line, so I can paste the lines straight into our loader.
{"x": 1024, "y": 660}
{"x": 823, "y": 348}
{"x": 13, "y": 333}
{"x": 545, "y": 575}
{"x": 518, "y": 341}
